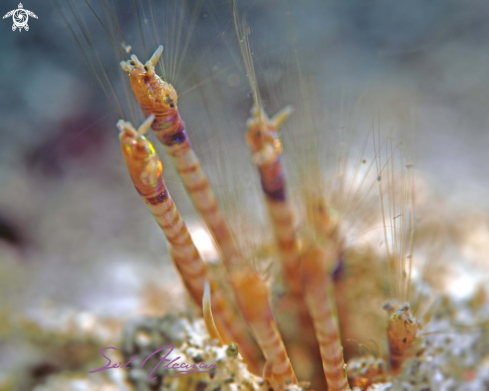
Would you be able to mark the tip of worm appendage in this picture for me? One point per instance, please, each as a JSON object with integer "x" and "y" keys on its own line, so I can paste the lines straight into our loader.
{"x": 208, "y": 317}
{"x": 207, "y": 294}
{"x": 156, "y": 55}
{"x": 136, "y": 60}
{"x": 125, "y": 127}
{"x": 143, "y": 129}
{"x": 125, "y": 66}
{"x": 279, "y": 118}
{"x": 150, "y": 69}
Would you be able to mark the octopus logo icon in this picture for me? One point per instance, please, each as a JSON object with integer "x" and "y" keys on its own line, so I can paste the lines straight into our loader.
{"x": 20, "y": 17}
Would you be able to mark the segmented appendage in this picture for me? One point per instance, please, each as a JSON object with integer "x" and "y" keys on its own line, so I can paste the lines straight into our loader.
{"x": 157, "y": 97}
{"x": 402, "y": 331}
{"x": 265, "y": 146}
{"x": 266, "y": 149}
{"x": 253, "y": 300}
{"x": 317, "y": 263}
{"x": 146, "y": 170}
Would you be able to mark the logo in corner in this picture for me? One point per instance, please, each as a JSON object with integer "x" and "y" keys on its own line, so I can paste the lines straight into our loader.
{"x": 20, "y": 17}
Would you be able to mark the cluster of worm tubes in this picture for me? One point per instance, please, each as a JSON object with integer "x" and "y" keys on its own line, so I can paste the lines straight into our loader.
{"x": 308, "y": 328}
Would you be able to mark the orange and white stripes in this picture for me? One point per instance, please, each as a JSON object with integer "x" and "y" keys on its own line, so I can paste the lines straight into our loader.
{"x": 158, "y": 97}
{"x": 319, "y": 292}
{"x": 252, "y": 296}
{"x": 145, "y": 170}
{"x": 262, "y": 138}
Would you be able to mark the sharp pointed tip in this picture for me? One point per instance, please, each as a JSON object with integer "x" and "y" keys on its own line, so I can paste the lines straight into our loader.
{"x": 143, "y": 129}
{"x": 282, "y": 116}
{"x": 207, "y": 290}
{"x": 156, "y": 55}
{"x": 289, "y": 108}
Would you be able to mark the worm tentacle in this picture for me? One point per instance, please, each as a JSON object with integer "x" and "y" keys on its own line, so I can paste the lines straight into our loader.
{"x": 319, "y": 290}
{"x": 145, "y": 170}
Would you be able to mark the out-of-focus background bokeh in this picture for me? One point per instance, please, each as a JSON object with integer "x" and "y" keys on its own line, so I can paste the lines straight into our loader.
{"x": 74, "y": 234}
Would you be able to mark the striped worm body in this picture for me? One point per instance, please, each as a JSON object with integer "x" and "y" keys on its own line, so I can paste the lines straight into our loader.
{"x": 262, "y": 138}
{"x": 319, "y": 292}
{"x": 145, "y": 170}
{"x": 253, "y": 300}
{"x": 158, "y": 97}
